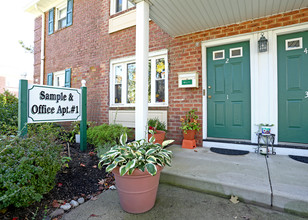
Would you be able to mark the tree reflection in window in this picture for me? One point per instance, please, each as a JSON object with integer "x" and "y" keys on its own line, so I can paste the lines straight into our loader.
{"x": 118, "y": 84}
{"x": 131, "y": 82}
{"x": 160, "y": 80}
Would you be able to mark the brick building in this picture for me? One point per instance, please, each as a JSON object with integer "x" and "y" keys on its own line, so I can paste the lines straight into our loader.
{"x": 239, "y": 86}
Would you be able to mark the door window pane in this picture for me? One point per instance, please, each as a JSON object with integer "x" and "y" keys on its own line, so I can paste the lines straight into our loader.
{"x": 131, "y": 82}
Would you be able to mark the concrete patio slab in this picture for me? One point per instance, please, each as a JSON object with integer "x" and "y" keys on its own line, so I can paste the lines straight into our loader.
{"x": 290, "y": 183}
{"x": 245, "y": 176}
{"x": 174, "y": 203}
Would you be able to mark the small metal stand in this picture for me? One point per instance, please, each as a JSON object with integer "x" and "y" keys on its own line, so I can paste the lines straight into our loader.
{"x": 267, "y": 140}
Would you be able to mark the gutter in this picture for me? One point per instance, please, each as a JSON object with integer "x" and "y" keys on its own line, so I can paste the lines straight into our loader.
{"x": 42, "y": 45}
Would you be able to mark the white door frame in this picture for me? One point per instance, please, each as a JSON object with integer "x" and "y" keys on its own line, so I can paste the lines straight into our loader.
{"x": 253, "y": 70}
{"x": 274, "y": 63}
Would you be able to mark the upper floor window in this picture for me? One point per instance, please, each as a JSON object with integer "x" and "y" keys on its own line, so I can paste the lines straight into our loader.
{"x": 123, "y": 80}
{"x": 61, "y": 78}
{"x": 60, "y": 16}
{"x": 120, "y": 5}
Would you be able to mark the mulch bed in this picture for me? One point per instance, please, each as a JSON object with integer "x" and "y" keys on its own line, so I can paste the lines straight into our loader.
{"x": 80, "y": 179}
{"x": 228, "y": 151}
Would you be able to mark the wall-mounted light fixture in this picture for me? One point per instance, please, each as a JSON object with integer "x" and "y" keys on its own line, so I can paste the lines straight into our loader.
{"x": 262, "y": 44}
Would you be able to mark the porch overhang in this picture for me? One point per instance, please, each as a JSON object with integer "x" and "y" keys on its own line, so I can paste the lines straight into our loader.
{"x": 36, "y": 7}
{"x": 181, "y": 17}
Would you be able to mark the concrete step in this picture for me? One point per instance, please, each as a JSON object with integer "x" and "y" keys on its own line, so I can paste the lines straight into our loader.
{"x": 283, "y": 186}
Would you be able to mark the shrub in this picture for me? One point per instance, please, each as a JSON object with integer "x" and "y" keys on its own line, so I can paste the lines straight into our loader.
{"x": 8, "y": 113}
{"x": 75, "y": 129}
{"x": 102, "y": 134}
{"x": 157, "y": 124}
{"x": 28, "y": 166}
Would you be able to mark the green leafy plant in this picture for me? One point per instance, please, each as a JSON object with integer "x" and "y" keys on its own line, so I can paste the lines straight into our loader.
{"x": 139, "y": 154}
{"x": 105, "y": 133}
{"x": 76, "y": 129}
{"x": 8, "y": 113}
{"x": 267, "y": 125}
{"x": 155, "y": 124}
{"x": 101, "y": 149}
{"x": 28, "y": 166}
{"x": 190, "y": 121}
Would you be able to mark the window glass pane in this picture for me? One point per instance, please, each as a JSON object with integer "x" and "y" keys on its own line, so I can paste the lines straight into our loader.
{"x": 118, "y": 93}
{"x": 62, "y": 23}
{"x": 292, "y": 44}
{"x": 118, "y": 5}
{"x": 131, "y": 82}
{"x": 160, "y": 68}
{"x": 62, "y": 13}
{"x": 236, "y": 52}
{"x": 118, "y": 84}
{"x": 118, "y": 74}
{"x": 149, "y": 82}
{"x": 160, "y": 91}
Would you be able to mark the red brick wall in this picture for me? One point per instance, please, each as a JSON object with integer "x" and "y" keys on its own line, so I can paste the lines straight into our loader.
{"x": 37, "y": 48}
{"x": 87, "y": 48}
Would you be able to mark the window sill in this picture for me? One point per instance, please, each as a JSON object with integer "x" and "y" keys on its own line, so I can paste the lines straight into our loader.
{"x": 122, "y": 12}
{"x": 122, "y": 20}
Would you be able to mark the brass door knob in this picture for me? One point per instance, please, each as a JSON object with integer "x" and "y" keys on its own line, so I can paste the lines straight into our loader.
{"x": 209, "y": 97}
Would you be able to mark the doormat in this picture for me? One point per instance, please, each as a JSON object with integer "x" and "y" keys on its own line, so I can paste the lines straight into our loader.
{"x": 299, "y": 158}
{"x": 228, "y": 151}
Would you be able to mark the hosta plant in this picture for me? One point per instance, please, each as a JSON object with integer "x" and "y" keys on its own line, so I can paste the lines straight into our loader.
{"x": 139, "y": 154}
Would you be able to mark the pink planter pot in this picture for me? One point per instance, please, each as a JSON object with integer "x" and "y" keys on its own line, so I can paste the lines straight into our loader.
{"x": 159, "y": 137}
{"x": 137, "y": 192}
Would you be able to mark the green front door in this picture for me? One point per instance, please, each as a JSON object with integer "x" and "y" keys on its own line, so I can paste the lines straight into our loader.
{"x": 293, "y": 87}
{"x": 228, "y": 91}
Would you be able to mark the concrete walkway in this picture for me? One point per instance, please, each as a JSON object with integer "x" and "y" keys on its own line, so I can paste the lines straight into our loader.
{"x": 277, "y": 180}
{"x": 175, "y": 203}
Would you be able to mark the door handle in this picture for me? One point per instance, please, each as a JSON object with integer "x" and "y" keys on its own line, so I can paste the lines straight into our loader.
{"x": 209, "y": 97}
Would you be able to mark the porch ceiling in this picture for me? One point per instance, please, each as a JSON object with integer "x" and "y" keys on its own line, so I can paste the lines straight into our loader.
{"x": 180, "y": 17}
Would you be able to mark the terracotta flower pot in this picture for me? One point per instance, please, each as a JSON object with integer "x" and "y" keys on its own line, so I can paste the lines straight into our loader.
{"x": 190, "y": 135}
{"x": 137, "y": 192}
{"x": 159, "y": 137}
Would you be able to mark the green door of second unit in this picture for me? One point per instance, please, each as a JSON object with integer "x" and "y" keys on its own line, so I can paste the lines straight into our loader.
{"x": 228, "y": 91}
{"x": 293, "y": 87}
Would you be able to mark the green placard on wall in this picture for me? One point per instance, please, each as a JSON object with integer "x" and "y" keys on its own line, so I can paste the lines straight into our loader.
{"x": 187, "y": 82}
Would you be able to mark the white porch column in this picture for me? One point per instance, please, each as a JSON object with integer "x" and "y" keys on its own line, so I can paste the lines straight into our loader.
{"x": 142, "y": 53}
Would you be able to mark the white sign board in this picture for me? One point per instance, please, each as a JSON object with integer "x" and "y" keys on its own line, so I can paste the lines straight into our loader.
{"x": 53, "y": 104}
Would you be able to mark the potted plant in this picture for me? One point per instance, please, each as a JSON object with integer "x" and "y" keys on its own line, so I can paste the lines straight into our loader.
{"x": 190, "y": 125}
{"x": 136, "y": 167}
{"x": 159, "y": 130}
{"x": 265, "y": 129}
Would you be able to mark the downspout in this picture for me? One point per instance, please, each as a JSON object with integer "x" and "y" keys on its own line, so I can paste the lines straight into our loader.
{"x": 42, "y": 45}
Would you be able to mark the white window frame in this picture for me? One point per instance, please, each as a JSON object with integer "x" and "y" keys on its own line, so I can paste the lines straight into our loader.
{"x": 219, "y": 51}
{"x": 113, "y": 6}
{"x": 237, "y": 48}
{"x": 153, "y": 56}
{"x": 56, "y": 75}
{"x": 58, "y": 8}
{"x": 294, "y": 39}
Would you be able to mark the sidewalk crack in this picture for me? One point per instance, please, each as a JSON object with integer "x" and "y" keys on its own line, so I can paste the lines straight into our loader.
{"x": 270, "y": 181}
